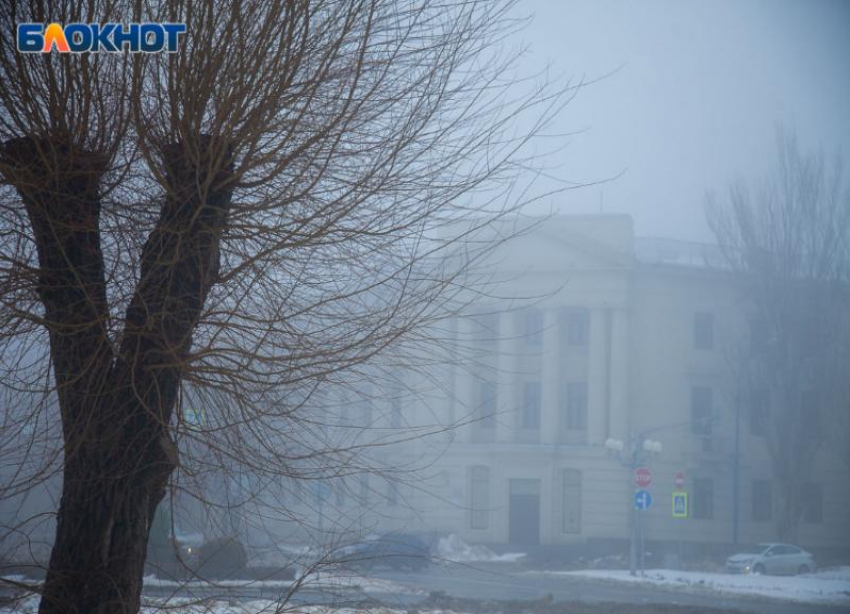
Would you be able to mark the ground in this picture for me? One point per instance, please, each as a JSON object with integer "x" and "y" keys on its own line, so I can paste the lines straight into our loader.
{"x": 472, "y": 580}
{"x": 434, "y": 605}
{"x": 828, "y": 586}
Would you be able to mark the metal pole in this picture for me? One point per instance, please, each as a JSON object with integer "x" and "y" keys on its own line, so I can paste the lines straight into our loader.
{"x": 736, "y": 472}
{"x": 632, "y": 465}
{"x": 633, "y": 540}
{"x": 642, "y": 549}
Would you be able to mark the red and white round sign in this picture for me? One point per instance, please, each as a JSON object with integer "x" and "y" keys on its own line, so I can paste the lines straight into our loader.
{"x": 680, "y": 480}
{"x": 643, "y": 477}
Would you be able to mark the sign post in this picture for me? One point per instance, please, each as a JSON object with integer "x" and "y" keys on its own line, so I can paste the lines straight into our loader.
{"x": 679, "y": 502}
{"x": 643, "y": 501}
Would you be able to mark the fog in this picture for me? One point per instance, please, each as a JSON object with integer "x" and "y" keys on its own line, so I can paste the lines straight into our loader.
{"x": 441, "y": 356}
{"x": 685, "y": 97}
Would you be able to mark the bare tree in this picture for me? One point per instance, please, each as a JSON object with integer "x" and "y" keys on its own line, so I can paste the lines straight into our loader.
{"x": 230, "y": 227}
{"x": 789, "y": 246}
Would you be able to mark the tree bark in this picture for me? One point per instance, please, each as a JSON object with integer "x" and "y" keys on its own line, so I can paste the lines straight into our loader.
{"x": 116, "y": 406}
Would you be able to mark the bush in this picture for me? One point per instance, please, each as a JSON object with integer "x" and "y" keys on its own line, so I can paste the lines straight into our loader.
{"x": 221, "y": 557}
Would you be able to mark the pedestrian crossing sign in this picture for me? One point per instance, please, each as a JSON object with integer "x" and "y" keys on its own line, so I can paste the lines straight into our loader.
{"x": 194, "y": 417}
{"x": 680, "y": 504}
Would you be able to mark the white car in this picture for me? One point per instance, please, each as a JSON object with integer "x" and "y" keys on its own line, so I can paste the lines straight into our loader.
{"x": 780, "y": 559}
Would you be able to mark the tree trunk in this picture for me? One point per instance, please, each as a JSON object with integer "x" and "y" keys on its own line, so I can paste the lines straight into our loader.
{"x": 116, "y": 408}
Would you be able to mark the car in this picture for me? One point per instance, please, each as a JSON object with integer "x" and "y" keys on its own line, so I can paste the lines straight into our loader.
{"x": 394, "y": 550}
{"x": 772, "y": 558}
{"x": 187, "y": 545}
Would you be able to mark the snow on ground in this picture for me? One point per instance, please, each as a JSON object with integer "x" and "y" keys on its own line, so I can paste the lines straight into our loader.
{"x": 257, "y": 606}
{"x": 314, "y": 581}
{"x": 177, "y": 605}
{"x": 311, "y": 582}
{"x": 831, "y": 585}
{"x": 453, "y": 549}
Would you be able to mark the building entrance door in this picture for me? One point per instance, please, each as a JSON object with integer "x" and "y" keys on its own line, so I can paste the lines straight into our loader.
{"x": 524, "y": 512}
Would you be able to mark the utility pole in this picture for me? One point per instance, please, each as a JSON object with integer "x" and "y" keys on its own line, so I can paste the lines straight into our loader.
{"x": 736, "y": 472}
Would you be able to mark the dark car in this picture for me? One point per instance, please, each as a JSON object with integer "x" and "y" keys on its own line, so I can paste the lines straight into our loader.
{"x": 394, "y": 550}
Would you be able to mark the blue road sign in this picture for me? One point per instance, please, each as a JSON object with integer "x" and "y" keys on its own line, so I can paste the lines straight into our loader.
{"x": 643, "y": 500}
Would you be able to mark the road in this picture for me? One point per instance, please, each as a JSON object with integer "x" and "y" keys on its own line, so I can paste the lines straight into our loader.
{"x": 493, "y": 582}
{"x": 498, "y": 582}
{"x": 507, "y": 582}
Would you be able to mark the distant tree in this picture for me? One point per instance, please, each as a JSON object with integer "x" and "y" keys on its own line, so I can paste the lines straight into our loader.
{"x": 226, "y": 228}
{"x": 788, "y": 242}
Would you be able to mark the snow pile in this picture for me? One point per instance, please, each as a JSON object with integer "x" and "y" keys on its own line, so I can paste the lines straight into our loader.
{"x": 452, "y": 548}
{"x": 827, "y": 586}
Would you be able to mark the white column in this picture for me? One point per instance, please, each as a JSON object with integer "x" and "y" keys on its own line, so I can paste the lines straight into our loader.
{"x": 463, "y": 402}
{"x": 450, "y": 371}
{"x": 618, "y": 418}
{"x": 550, "y": 379}
{"x": 506, "y": 377}
{"x": 597, "y": 378}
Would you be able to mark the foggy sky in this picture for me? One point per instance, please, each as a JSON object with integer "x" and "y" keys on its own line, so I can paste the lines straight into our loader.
{"x": 700, "y": 89}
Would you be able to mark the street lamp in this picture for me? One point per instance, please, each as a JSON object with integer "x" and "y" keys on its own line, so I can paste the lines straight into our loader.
{"x": 640, "y": 449}
{"x": 652, "y": 446}
{"x": 615, "y": 445}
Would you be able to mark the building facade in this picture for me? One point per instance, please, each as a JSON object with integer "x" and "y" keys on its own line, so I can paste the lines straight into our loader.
{"x": 608, "y": 337}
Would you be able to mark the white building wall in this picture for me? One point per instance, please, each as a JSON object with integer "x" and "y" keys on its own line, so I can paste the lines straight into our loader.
{"x": 640, "y": 364}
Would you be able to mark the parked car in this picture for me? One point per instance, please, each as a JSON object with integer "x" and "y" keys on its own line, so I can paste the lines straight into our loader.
{"x": 782, "y": 559}
{"x": 187, "y": 544}
{"x": 394, "y": 550}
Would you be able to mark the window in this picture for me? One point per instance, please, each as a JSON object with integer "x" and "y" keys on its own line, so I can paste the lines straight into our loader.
{"x": 762, "y": 500}
{"x": 703, "y": 498}
{"x": 758, "y": 335}
{"x": 571, "y": 501}
{"x": 297, "y": 488}
{"x": 576, "y": 406}
{"x": 813, "y": 503}
{"x": 810, "y": 407}
{"x": 342, "y": 414}
{"x": 479, "y": 493}
{"x": 365, "y": 413}
{"x": 486, "y": 328}
{"x": 578, "y": 326}
{"x": 339, "y": 492}
{"x": 485, "y": 407}
{"x": 704, "y": 330}
{"x": 532, "y": 327}
{"x": 531, "y": 406}
{"x": 701, "y": 410}
{"x": 392, "y": 493}
{"x": 395, "y": 408}
{"x": 364, "y": 488}
{"x": 759, "y": 411}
